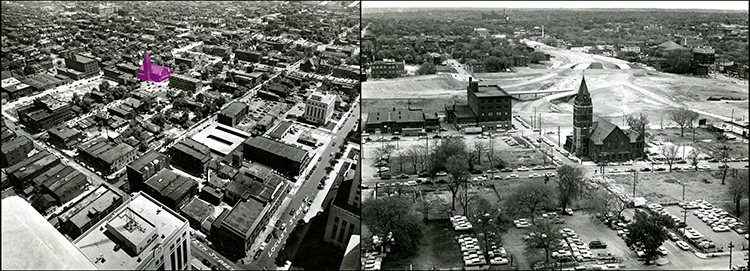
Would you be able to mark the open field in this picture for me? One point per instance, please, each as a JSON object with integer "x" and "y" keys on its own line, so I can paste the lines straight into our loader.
{"x": 411, "y": 87}
{"x": 437, "y": 249}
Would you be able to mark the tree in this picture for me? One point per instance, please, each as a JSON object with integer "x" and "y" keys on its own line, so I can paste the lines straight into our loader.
{"x": 479, "y": 148}
{"x": 694, "y": 158}
{"x": 487, "y": 221}
{"x": 569, "y": 183}
{"x": 429, "y": 202}
{"x": 723, "y": 154}
{"x": 683, "y": 117}
{"x": 602, "y": 202}
{"x": 396, "y": 216}
{"x": 536, "y": 57}
{"x": 13, "y": 65}
{"x": 415, "y": 154}
{"x": 458, "y": 171}
{"x": 427, "y": 68}
{"x": 529, "y": 199}
{"x": 183, "y": 67}
{"x": 738, "y": 189}
{"x": 648, "y": 231}
{"x": 28, "y": 70}
{"x": 670, "y": 153}
{"x": 638, "y": 123}
{"x": 544, "y": 235}
{"x": 104, "y": 86}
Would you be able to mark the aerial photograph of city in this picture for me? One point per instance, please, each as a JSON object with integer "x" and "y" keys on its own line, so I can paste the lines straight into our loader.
{"x": 375, "y": 135}
{"x": 180, "y": 135}
{"x": 554, "y": 135}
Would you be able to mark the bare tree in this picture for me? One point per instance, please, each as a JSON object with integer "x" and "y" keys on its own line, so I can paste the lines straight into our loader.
{"x": 413, "y": 153}
{"x": 546, "y": 235}
{"x": 458, "y": 171}
{"x": 479, "y": 148}
{"x": 529, "y": 199}
{"x": 683, "y": 117}
{"x": 602, "y": 201}
{"x": 638, "y": 123}
{"x": 465, "y": 198}
{"x": 670, "y": 153}
{"x": 693, "y": 157}
{"x": 569, "y": 183}
{"x": 724, "y": 155}
{"x": 739, "y": 188}
{"x": 426, "y": 203}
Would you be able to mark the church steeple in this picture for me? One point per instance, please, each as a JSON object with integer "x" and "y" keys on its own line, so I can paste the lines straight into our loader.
{"x": 583, "y": 117}
{"x": 146, "y": 62}
{"x": 583, "y": 92}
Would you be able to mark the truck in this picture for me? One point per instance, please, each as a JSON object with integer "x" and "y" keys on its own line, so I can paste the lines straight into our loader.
{"x": 472, "y": 130}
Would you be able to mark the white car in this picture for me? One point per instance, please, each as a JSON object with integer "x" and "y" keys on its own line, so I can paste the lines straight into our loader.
{"x": 663, "y": 251}
{"x": 410, "y": 183}
{"x": 720, "y": 228}
{"x": 682, "y": 245}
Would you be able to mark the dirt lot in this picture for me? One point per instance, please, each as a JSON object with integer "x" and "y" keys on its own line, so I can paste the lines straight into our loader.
{"x": 663, "y": 187}
{"x": 411, "y": 87}
{"x": 706, "y": 141}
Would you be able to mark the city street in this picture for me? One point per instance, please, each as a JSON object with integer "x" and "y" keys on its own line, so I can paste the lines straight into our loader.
{"x": 307, "y": 188}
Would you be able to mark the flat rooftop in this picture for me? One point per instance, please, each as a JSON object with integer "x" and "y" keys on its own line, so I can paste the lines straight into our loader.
{"x": 279, "y": 148}
{"x": 243, "y": 215}
{"x": 95, "y": 243}
{"x": 96, "y": 201}
{"x": 491, "y": 91}
{"x": 221, "y": 139}
{"x": 30, "y": 242}
{"x": 150, "y": 158}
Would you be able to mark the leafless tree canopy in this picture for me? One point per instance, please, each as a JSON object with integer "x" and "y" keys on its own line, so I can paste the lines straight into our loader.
{"x": 569, "y": 183}
{"x": 693, "y": 158}
{"x": 670, "y": 153}
{"x": 683, "y": 117}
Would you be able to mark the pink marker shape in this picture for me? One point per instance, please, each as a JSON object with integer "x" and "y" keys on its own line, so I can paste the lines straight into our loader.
{"x": 151, "y": 72}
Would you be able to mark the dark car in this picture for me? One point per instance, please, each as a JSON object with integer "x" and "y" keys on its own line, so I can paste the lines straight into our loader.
{"x": 385, "y": 177}
{"x": 645, "y": 169}
{"x": 403, "y": 176}
{"x": 682, "y": 162}
{"x": 424, "y": 174}
{"x": 597, "y": 244}
{"x": 476, "y": 171}
{"x": 506, "y": 170}
{"x": 442, "y": 181}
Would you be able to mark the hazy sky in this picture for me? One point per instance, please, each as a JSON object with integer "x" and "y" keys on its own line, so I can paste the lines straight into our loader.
{"x": 735, "y": 5}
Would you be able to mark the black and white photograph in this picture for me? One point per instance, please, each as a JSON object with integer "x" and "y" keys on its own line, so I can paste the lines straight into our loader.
{"x": 502, "y": 135}
{"x": 180, "y": 135}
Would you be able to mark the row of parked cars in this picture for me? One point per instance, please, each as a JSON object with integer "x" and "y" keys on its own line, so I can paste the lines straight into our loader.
{"x": 718, "y": 219}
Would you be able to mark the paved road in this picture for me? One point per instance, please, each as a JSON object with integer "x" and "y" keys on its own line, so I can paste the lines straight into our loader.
{"x": 308, "y": 188}
{"x": 200, "y": 251}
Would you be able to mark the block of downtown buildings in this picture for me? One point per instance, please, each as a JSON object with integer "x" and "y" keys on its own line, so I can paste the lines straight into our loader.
{"x": 283, "y": 157}
{"x": 319, "y": 107}
{"x": 44, "y": 113}
{"x": 387, "y": 69}
{"x": 88, "y": 66}
{"x": 345, "y": 212}
{"x": 88, "y": 210}
{"x": 107, "y": 155}
{"x": 233, "y": 114}
{"x": 144, "y": 167}
{"x": 256, "y": 193}
{"x": 190, "y": 156}
{"x": 141, "y": 234}
{"x": 487, "y": 105}
{"x": 15, "y": 150}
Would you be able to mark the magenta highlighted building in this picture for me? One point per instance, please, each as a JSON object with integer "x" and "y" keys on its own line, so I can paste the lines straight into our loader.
{"x": 151, "y": 72}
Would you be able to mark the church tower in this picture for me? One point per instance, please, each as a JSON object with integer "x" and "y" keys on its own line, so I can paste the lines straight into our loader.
{"x": 583, "y": 116}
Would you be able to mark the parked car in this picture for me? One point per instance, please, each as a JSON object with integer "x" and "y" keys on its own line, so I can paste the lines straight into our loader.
{"x": 597, "y": 244}
{"x": 682, "y": 245}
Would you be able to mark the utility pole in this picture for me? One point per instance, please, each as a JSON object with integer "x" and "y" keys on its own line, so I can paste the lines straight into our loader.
{"x": 635, "y": 181}
{"x": 559, "y": 143}
{"x": 730, "y": 254}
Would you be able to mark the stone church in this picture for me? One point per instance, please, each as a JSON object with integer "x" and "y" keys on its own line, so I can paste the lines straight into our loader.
{"x": 600, "y": 140}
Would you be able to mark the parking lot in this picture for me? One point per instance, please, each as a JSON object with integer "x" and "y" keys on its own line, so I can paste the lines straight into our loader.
{"x": 721, "y": 239}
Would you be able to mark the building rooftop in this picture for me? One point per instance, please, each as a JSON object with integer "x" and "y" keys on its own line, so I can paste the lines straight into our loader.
{"x": 94, "y": 202}
{"x": 150, "y": 215}
{"x": 395, "y": 116}
{"x": 194, "y": 148}
{"x": 32, "y": 164}
{"x": 242, "y": 217}
{"x": 280, "y": 129}
{"x": 30, "y": 242}
{"x": 257, "y": 181}
{"x": 491, "y": 91}
{"x": 15, "y": 143}
{"x": 323, "y": 98}
{"x": 272, "y": 146}
{"x": 62, "y": 131}
{"x": 83, "y": 59}
{"x": 197, "y": 209}
{"x": 147, "y": 160}
{"x": 221, "y": 139}
{"x": 234, "y": 108}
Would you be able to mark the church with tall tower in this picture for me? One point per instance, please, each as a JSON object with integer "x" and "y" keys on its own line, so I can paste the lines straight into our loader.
{"x": 598, "y": 139}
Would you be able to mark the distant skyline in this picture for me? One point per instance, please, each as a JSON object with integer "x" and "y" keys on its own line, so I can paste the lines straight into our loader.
{"x": 713, "y": 5}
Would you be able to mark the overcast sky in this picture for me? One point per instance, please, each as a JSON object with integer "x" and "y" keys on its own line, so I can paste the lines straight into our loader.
{"x": 735, "y": 5}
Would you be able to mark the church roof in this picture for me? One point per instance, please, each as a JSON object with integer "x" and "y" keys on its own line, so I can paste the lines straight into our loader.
{"x": 583, "y": 90}
{"x": 602, "y": 128}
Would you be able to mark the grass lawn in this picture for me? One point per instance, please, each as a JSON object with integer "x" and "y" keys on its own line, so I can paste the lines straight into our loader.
{"x": 706, "y": 141}
{"x": 438, "y": 249}
{"x": 663, "y": 187}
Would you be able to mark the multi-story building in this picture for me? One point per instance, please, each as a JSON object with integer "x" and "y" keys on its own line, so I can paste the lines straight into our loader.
{"x": 490, "y": 104}
{"x": 184, "y": 82}
{"x": 141, "y": 234}
{"x": 104, "y": 9}
{"x": 287, "y": 159}
{"x": 88, "y": 66}
{"x": 186, "y": 61}
{"x": 15, "y": 150}
{"x": 15, "y": 89}
{"x": 235, "y": 231}
{"x": 107, "y": 155}
{"x": 319, "y": 107}
{"x": 144, "y": 167}
{"x": 170, "y": 189}
{"x": 634, "y": 49}
{"x": 191, "y": 156}
{"x": 387, "y": 69}
{"x": 64, "y": 137}
{"x": 83, "y": 214}
{"x": 232, "y": 114}
{"x": 22, "y": 172}
{"x": 248, "y": 55}
{"x": 44, "y": 113}
{"x": 72, "y": 74}
{"x": 345, "y": 212}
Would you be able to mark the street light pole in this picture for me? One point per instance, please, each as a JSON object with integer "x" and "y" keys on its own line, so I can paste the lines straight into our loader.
{"x": 730, "y": 255}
